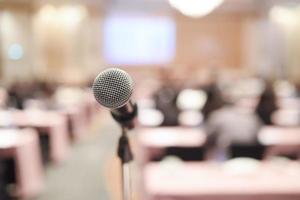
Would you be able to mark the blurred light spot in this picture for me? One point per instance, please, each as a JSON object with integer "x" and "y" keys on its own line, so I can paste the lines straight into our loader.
{"x": 241, "y": 166}
{"x": 47, "y": 13}
{"x": 68, "y": 15}
{"x": 283, "y": 15}
{"x": 136, "y": 39}
{"x": 285, "y": 89}
{"x": 150, "y": 117}
{"x": 15, "y": 52}
{"x": 195, "y": 8}
{"x": 190, "y": 118}
{"x": 72, "y": 15}
{"x": 190, "y": 99}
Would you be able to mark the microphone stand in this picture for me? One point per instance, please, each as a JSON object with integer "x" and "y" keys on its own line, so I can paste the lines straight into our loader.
{"x": 125, "y": 116}
{"x": 126, "y": 156}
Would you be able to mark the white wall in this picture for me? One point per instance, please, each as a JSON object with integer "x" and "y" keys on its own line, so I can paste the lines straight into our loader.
{"x": 263, "y": 48}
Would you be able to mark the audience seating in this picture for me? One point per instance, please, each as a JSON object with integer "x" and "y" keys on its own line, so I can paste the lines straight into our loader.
{"x": 185, "y": 143}
{"x": 212, "y": 181}
{"x": 51, "y": 126}
{"x": 281, "y": 141}
{"x": 20, "y": 163}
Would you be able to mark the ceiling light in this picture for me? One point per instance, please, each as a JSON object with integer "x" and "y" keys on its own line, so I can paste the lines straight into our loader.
{"x": 195, "y": 8}
{"x": 283, "y": 15}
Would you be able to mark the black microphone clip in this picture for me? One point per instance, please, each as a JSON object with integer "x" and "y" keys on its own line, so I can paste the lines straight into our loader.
{"x": 126, "y": 115}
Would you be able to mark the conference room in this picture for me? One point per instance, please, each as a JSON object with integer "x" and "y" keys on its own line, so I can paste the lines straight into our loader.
{"x": 149, "y": 99}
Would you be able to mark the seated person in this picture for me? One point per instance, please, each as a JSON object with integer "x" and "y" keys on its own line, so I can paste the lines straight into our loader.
{"x": 165, "y": 99}
{"x": 267, "y": 105}
{"x": 231, "y": 125}
{"x": 214, "y": 100}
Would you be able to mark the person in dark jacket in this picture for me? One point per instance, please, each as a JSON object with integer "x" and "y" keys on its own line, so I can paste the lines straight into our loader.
{"x": 214, "y": 100}
{"x": 165, "y": 99}
{"x": 267, "y": 105}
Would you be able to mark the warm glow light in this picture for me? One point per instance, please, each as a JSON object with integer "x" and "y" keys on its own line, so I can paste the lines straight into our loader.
{"x": 190, "y": 99}
{"x": 283, "y": 15}
{"x": 190, "y": 118}
{"x": 150, "y": 117}
{"x": 195, "y": 8}
{"x": 47, "y": 13}
{"x": 72, "y": 14}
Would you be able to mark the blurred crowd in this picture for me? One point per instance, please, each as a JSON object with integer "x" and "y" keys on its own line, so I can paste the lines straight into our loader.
{"x": 57, "y": 115}
{"x": 20, "y": 94}
{"x": 231, "y": 112}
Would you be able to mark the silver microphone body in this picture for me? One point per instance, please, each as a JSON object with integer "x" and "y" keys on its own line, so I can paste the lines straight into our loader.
{"x": 113, "y": 89}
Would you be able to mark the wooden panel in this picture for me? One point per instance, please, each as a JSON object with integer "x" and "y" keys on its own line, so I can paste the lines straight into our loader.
{"x": 209, "y": 41}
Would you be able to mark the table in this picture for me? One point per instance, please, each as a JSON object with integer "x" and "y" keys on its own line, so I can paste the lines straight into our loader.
{"x": 280, "y": 140}
{"x": 80, "y": 114}
{"x": 48, "y": 123}
{"x": 76, "y": 120}
{"x": 210, "y": 181}
{"x": 23, "y": 147}
{"x": 154, "y": 141}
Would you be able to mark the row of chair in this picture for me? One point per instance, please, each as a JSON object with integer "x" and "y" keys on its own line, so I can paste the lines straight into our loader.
{"x": 33, "y": 138}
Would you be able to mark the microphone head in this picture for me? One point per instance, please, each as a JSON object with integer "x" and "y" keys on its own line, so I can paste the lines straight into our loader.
{"x": 113, "y": 88}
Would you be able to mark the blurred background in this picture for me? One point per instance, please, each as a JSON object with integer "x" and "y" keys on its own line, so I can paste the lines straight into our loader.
{"x": 217, "y": 83}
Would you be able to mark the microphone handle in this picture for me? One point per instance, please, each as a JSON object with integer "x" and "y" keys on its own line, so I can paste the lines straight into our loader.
{"x": 125, "y": 114}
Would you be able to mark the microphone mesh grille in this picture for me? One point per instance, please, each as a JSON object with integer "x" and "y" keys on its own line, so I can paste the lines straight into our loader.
{"x": 113, "y": 88}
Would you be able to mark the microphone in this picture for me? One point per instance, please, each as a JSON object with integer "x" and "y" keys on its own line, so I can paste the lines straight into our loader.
{"x": 113, "y": 89}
